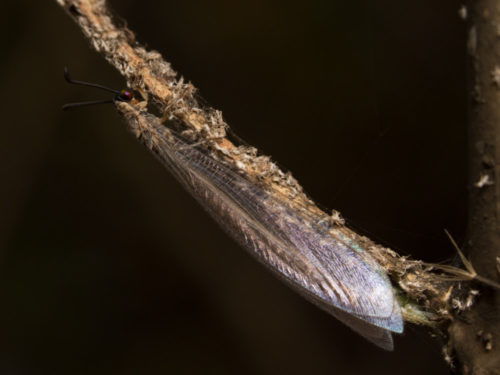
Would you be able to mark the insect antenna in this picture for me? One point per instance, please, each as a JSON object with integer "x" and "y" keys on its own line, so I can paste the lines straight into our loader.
{"x": 120, "y": 96}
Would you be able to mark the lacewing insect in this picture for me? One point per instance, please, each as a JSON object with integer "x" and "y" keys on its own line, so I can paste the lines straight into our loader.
{"x": 325, "y": 266}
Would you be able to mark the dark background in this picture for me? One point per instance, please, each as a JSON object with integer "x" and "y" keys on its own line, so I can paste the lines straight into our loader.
{"x": 108, "y": 267}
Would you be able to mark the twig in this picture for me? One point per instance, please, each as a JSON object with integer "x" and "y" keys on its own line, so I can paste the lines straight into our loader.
{"x": 426, "y": 298}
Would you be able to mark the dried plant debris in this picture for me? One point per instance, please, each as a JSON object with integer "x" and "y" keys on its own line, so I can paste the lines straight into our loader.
{"x": 484, "y": 180}
{"x": 486, "y": 338}
{"x": 495, "y": 76}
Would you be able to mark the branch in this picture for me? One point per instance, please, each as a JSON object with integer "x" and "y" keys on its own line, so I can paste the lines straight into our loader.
{"x": 429, "y": 295}
{"x": 475, "y": 339}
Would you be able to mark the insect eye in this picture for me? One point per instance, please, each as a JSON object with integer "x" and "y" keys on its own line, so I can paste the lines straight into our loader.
{"x": 125, "y": 96}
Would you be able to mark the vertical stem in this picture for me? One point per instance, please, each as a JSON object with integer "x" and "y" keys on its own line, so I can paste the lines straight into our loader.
{"x": 475, "y": 340}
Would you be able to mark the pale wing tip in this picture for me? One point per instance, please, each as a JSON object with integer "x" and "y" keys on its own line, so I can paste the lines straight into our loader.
{"x": 393, "y": 322}
{"x": 384, "y": 341}
{"x": 373, "y": 333}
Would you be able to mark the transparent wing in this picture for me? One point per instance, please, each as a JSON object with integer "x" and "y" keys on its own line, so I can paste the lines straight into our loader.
{"x": 329, "y": 270}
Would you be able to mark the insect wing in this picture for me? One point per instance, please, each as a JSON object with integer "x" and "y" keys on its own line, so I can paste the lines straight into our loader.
{"x": 328, "y": 270}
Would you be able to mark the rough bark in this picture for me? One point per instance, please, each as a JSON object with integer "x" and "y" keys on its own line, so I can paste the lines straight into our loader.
{"x": 475, "y": 338}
